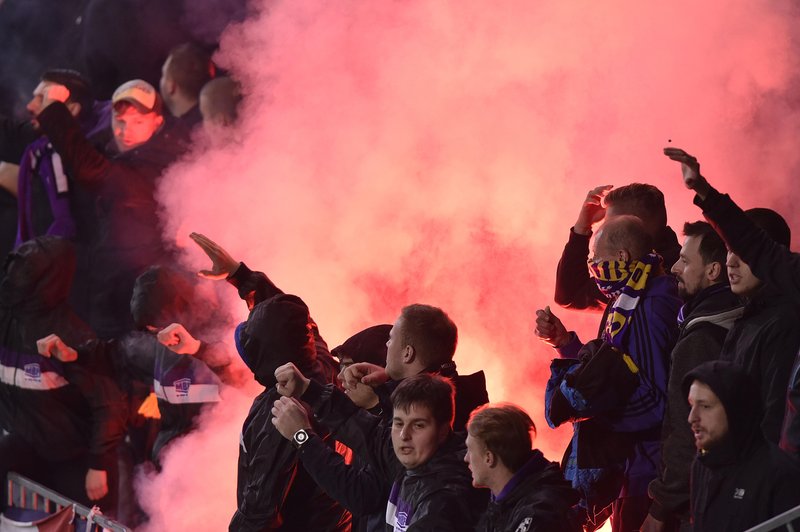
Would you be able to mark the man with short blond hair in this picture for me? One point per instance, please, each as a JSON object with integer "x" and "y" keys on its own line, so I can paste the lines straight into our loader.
{"x": 529, "y": 492}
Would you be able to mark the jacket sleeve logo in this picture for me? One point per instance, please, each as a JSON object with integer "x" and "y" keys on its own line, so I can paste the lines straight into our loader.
{"x": 525, "y": 525}
{"x": 182, "y": 387}
{"x": 32, "y": 372}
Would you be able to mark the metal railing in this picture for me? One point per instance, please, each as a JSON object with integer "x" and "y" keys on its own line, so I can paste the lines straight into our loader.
{"x": 27, "y": 494}
{"x": 783, "y": 520}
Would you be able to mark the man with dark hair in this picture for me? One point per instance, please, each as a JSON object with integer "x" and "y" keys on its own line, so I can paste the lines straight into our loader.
{"x": 529, "y": 493}
{"x": 574, "y": 287}
{"x": 419, "y": 454}
{"x": 48, "y": 202}
{"x": 614, "y": 388}
{"x": 739, "y": 479}
{"x": 127, "y": 238}
{"x": 708, "y": 313}
{"x": 766, "y": 270}
{"x": 187, "y": 69}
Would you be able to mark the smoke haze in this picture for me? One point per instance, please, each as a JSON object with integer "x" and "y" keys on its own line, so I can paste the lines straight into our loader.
{"x": 438, "y": 152}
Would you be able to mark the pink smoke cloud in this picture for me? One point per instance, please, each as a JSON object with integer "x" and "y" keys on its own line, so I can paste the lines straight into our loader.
{"x": 438, "y": 152}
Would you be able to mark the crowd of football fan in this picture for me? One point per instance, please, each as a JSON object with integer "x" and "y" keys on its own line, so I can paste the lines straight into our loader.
{"x": 684, "y": 407}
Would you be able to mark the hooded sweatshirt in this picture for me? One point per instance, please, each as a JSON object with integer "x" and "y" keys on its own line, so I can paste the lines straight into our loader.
{"x": 743, "y": 480}
{"x": 64, "y": 411}
{"x": 273, "y": 492}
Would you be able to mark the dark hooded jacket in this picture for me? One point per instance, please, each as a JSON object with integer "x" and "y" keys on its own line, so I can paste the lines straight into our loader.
{"x": 765, "y": 342}
{"x": 771, "y": 262}
{"x": 743, "y": 480}
{"x": 273, "y": 491}
{"x": 536, "y": 499}
{"x": 437, "y": 495}
{"x": 127, "y": 238}
{"x": 703, "y": 324}
{"x": 255, "y": 287}
{"x": 64, "y": 411}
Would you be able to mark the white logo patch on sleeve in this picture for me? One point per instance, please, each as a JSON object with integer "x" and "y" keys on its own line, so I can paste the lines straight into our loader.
{"x": 525, "y": 525}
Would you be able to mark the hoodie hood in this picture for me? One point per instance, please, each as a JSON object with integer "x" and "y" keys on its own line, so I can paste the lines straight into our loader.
{"x": 278, "y": 331}
{"x": 37, "y": 276}
{"x": 741, "y": 398}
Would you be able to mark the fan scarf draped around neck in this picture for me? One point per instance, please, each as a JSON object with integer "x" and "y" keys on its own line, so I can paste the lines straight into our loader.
{"x": 623, "y": 283}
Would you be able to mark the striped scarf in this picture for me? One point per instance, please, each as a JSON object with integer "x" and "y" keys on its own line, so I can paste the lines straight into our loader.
{"x": 624, "y": 283}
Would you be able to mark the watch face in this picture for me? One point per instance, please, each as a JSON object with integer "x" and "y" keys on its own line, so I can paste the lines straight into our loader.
{"x": 300, "y": 437}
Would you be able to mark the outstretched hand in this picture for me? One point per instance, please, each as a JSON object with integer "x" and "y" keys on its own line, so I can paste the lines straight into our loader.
{"x": 550, "y": 329}
{"x": 592, "y": 210}
{"x": 53, "y": 346}
{"x": 222, "y": 264}
{"x": 691, "y": 171}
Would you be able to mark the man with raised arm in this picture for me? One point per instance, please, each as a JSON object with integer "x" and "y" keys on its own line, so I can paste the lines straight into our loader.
{"x": 574, "y": 286}
{"x": 274, "y": 492}
{"x": 769, "y": 260}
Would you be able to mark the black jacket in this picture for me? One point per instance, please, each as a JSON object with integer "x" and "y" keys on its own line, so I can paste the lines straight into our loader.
{"x": 537, "y": 499}
{"x": 273, "y": 491}
{"x": 435, "y": 496}
{"x": 707, "y": 319}
{"x": 470, "y": 393}
{"x": 764, "y": 341}
{"x": 63, "y": 411}
{"x": 576, "y": 289}
{"x": 359, "y": 487}
{"x": 744, "y": 480}
{"x": 128, "y": 237}
{"x": 15, "y": 135}
{"x": 771, "y": 262}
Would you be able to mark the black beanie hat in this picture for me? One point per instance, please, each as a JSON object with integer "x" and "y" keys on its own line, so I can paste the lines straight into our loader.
{"x": 368, "y": 345}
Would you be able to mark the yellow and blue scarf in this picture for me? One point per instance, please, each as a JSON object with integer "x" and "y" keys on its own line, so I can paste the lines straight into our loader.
{"x": 623, "y": 283}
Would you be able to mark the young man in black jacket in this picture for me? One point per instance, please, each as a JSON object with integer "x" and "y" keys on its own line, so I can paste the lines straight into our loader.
{"x": 704, "y": 321}
{"x": 529, "y": 493}
{"x": 419, "y": 454}
{"x": 739, "y": 479}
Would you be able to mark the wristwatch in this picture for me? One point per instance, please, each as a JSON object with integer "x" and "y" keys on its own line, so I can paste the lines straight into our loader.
{"x": 300, "y": 437}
